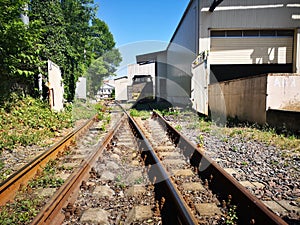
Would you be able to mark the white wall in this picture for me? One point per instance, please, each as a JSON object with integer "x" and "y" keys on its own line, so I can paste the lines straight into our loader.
{"x": 297, "y": 52}
{"x": 199, "y": 95}
{"x": 80, "y": 91}
{"x": 283, "y": 91}
{"x": 56, "y": 87}
{"x": 121, "y": 89}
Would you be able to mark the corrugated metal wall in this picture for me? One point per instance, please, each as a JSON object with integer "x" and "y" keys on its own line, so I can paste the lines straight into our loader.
{"x": 251, "y": 50}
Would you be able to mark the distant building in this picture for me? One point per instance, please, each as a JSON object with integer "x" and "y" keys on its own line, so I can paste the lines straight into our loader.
{"x": 122, "y": 83}
{"x": 105, "y": 91}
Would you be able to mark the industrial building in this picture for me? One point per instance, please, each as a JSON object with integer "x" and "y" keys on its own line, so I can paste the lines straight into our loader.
{"x": 222, "y": 40}
{"x": 123, "y": 84}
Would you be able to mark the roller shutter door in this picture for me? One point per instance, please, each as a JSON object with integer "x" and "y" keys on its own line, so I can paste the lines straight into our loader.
{"x": 251, "y": 50}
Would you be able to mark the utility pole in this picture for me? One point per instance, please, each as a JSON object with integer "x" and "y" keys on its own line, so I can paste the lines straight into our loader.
{"x": 24, "y": 17}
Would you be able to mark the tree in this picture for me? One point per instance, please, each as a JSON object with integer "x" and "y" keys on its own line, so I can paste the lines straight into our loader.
{"x": 20, "y": 46}
{"x": 57, "y": 45}
{"x": 101, "y": 39}
{"x": 102, "y": 68}
{"x": 64, "y": 31}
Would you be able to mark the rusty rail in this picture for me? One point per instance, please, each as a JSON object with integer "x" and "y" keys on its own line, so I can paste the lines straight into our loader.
{"x": 250, "y": 209}
{"x": 9, "y": 187}
{"x": 52, "y": 212}
{"x": 157, "y": 172}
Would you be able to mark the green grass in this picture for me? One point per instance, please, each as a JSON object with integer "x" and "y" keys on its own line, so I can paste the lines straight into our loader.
{"x": 264, "y": 134}
{"x": 20, "y": 212}
{"x": 26, "y": 204}
{"x": 28, "y": 121}
{"x": 140, "y": 113}
{"x": 47, "y": 178}
{"x": 82, "y": 110}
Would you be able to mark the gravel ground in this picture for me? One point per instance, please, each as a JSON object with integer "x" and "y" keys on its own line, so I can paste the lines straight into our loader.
{"x": 278, "y": 170}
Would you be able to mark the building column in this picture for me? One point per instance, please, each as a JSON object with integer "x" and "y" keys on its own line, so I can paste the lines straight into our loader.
{"x": 297, "y": 51}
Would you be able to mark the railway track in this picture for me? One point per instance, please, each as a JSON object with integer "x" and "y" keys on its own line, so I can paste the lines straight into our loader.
{"x": 145, "y": 172}
{"x": 9, "y": 187}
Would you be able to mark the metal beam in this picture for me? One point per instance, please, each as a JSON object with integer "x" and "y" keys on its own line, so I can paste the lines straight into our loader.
{"x": 214, "y": 5}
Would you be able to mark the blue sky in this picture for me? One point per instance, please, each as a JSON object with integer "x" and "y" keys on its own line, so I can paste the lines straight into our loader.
{"x": 140, "y": 20}
{"x": 140, "y": 26}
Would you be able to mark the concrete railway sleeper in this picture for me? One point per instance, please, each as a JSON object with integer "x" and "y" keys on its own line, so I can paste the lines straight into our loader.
{"x": 228, "y": 191}
{"x": 120, "y": 191}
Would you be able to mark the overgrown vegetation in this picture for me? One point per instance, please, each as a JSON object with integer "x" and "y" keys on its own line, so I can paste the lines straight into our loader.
{"x": 47, "y": 177}
{"x": 28, "y": 121}
{"x": 83, "y": 110}
{"x": 247, "y": 131}
{"x": 20, "y": 212}
{"x": 140, "y": 113}
{"x": 66, "y": 32}
{"x": 25, "y": 206}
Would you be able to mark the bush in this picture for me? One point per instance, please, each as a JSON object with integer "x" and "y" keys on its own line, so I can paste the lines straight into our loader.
{"x": 28, "y": 121}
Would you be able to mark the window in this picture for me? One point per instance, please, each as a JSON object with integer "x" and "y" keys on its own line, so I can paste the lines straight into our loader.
{"x": 252, "y": 33}
{"x": 267, "y": 33}
{"x": 218, "y": 33}
{"x": 234, "y": 33}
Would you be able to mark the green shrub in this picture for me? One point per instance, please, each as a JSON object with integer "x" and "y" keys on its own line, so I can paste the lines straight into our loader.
{"x": 29, "y": 121}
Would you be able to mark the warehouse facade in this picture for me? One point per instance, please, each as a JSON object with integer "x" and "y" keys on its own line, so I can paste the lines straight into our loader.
{"x": 223, "y": 40}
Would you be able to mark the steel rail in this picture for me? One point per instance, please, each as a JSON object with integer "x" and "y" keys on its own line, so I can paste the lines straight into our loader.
{"x": 67, "y": 193}
{"x": 250, "y": 209}
{"x": 11, "y": 185}
{"x": 185, "y": 216}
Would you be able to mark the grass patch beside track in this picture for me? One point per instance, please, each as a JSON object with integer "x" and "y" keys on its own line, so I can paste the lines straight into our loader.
{"x": 245, "y": 131}
{"x": 28, "y": 121}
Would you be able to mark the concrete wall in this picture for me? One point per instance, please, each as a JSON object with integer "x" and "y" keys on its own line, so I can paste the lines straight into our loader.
{"x": 241, "y": 98}
{"x": 121, "y": 88}
{"x": 253, "y": 98}
{"x": 283, "y": 119}
{"x": 56, "y": 87}
{"x": 283, "y": 92}
{"x": 80, "y": 91}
